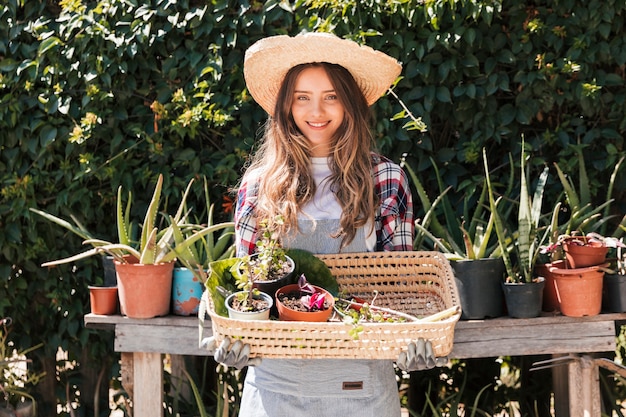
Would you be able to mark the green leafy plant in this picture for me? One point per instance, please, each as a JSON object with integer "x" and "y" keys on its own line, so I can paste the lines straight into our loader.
{"x": 355, "y": 311}
{"x": 584, "y": 216}
{"x": 455, "y": 236}
{"x": 270, "y": 259}
{"x": 209, "y": 248}
{"x": 526, "y": 241}
{"x": 451, "y": 404}
{"x": 154, "y": 246}
{"x": 268, "y": 263}
{"x": 14, "y": 382}
{"x": 248, "y": 292}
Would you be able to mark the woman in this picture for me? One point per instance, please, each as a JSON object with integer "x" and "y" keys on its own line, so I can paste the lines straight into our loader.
{"x": 317, "y": 169}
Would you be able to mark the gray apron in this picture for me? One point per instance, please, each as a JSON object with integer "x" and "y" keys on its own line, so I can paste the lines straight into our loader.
{"x": 321, "y": 387}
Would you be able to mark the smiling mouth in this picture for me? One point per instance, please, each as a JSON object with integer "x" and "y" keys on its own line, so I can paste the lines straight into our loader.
{"x": 320, "y": 124}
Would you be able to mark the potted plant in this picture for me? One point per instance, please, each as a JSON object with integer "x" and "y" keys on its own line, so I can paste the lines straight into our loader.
{"x": 523, "y": 290}
{"x": 578, "y": 279}
{"x": 143, "y": 267}
{"x": 304, "y": 302}
{"x": 249, "y": 303}
{"x": 269, "y": 268}
{"x": 584, "y": 250}
{"x": 614, "y": 284}
{"x": 583, "y": 217}
{"x": 103, "y": 299}
{"x": 190, "y": 272}
{"x": 470, "y": 245}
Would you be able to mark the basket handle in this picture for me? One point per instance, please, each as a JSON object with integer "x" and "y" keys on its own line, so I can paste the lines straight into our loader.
{"x": 442, "y": 315}
{"x": 202, "y": 311}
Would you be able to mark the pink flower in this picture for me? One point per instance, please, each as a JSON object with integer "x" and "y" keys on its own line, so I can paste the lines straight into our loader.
{"x": 313, "y": 299}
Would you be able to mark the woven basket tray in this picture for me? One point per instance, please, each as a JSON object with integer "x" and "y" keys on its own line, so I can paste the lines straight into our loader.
{"x": 418, "y": 283}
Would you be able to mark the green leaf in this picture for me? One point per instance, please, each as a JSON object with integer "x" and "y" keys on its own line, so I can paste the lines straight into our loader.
{"x": 443, "y": 94}
{"x": 49, "y": 44}
{"x": 314, "y": 269}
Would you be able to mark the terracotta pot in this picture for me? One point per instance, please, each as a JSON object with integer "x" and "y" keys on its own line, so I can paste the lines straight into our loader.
{"x": 186, "y": 292}
{"x": 287, "y": 314}
{"x": 249, "y": 315}
{"x": 524, "y": 300}
{"x": 103, "y": 300}
{"x": 579, "y": 290}
{"x": 582, "y": 256}
{"x": 550, "y": 299}
{"x": 145, "y": 291}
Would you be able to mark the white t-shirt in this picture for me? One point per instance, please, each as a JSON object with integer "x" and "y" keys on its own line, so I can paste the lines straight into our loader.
{"x": 324, "y": 205}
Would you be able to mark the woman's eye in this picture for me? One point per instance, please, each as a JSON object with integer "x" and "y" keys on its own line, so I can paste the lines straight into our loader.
{"x": 331, "y": 97}
{"x": 302, "y": 98}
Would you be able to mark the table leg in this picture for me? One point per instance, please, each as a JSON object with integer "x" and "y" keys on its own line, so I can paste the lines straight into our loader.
{"x": 584, "y": 388}
{"x": 560, "y": 386}
{"x": 148, "y": 384}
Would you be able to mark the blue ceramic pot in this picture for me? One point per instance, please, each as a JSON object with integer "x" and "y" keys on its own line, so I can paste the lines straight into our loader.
{"x": 186, "y": 292}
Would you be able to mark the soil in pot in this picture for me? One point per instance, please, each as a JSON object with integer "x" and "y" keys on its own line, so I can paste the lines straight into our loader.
{"x": 257, "y": 309}
{"x": 270, "y": 286}
{"x": 282, "y": 278}
{"x": 291, "y": 308}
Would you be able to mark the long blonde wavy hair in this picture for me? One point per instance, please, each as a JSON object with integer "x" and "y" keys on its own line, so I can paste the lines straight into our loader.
{"x": 283, "y": 159}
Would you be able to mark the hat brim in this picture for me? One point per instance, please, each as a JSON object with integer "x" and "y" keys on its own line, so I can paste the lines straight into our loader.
{"x": 268, "y": 61}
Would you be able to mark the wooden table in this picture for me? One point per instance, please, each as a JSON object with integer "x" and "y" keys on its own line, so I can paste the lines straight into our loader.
{"x": 142, "y": 343}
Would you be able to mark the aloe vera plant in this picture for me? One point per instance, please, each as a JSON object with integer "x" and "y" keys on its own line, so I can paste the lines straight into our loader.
{"x": 211, "y": 247}
{"x": 452, "y": 235}
{"x": 584, "y": 216}
{"x": 154, "y": 246}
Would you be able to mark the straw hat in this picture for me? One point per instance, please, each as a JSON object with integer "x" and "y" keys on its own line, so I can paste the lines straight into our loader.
{"x": 268, "y": 60}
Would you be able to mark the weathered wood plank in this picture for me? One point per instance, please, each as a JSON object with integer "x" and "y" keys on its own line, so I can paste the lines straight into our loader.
{"x": 162, "y": 339}
{"x": 148, "y": 339}
{"x": 148, "y": 380}
{"x": 584, "y": 388}
{"x": 475, "y": 338}
{"x": 499, "y": 338}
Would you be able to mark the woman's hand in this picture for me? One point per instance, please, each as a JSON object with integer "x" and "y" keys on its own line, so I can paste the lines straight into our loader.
{"x": 419, "y": 356}
{"x": 231, "y": 354}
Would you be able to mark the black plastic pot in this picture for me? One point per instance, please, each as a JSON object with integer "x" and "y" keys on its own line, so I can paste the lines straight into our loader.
{"x": 614, "y": 293}
{"x": 110, "y": 276}
{"x": 524, "y": 300}
{"x": 479, "y": 283}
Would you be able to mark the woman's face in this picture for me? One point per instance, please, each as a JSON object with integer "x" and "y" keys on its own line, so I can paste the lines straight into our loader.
{"x": 316, "y": 109}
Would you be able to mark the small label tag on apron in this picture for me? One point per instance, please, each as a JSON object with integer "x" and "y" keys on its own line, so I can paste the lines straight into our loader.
{"x": 352, "y": 385}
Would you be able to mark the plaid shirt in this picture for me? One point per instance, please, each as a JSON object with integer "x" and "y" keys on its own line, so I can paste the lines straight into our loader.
{"x": 394, "y": 217}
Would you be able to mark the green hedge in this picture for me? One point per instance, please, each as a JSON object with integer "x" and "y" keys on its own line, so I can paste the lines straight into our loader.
{"x": 94, "y": 95}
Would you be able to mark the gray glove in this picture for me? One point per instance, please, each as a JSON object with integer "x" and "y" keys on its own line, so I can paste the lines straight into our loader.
{"x": 419, "y": 356}
{"x": 236, "y": 354}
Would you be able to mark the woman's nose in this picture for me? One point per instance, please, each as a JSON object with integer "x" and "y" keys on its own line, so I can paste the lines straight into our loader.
{"x": 317, "y": 106}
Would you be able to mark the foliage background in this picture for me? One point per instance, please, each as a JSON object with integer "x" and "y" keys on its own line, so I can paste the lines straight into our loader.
{"x": 100, "y": 94}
